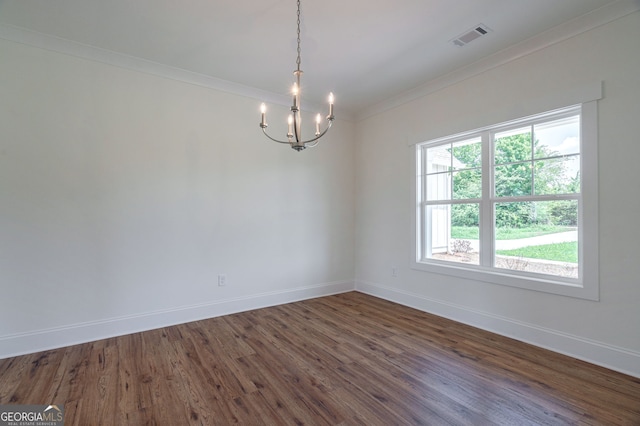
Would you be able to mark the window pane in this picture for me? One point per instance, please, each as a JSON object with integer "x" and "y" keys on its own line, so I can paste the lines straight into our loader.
{"x": 539, "y": 237}
{"x": 524, "y": 180}
{"x": 467, "y": 184}
{"x": 437, "y": 228}
{"x": 558, "y": 137}
{"x": 513, "y": 180}
{"x": 467, "y": 154}
{"x": 439, "y": 187}
{"x": 557, "y": 175}
{"x": 453, "y": 230}
{"x": 439, "y": 159}
{"x": 512, "y": 146}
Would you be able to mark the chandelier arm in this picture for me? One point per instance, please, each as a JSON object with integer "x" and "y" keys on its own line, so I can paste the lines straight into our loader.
{"x": 319, "y": 136}
{"x": 264, "y": 130}
{"x": 297, "y": 126}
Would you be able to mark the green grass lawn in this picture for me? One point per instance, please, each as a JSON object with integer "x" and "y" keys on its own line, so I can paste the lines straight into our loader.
{"x": 561, "y": 252}
{"x": 472, "y": 232}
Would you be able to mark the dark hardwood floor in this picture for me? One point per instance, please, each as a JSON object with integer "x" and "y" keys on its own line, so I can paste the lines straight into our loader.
{"x": 349, "y": 359}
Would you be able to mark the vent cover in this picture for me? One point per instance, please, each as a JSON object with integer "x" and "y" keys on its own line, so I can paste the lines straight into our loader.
{"x": 468, "y": 36}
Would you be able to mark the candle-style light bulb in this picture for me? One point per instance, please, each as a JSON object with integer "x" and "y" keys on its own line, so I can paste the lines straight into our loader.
{"x": 331, "y": 105}
{"x": 263, "y": 111}
{"x": 318, "y": 119}
{"x": 290, "y": 122}
{"x": 295, "y": 91}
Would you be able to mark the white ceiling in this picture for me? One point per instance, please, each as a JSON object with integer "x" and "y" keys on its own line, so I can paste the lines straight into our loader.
{"x": 364, "y": 51}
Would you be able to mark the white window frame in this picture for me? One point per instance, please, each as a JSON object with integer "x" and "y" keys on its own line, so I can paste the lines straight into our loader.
{"x": 587, "y": 284}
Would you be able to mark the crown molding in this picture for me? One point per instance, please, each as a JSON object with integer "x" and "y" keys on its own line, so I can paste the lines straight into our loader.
{"x": 96, "y": 54}
{"x": 569, "y": 29}
{"x": 555, "y": 35}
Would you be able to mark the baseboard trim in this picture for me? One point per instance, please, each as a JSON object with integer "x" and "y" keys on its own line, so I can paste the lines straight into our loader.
{"x": 53, "y": 338}
{"x": 612, "y": 357}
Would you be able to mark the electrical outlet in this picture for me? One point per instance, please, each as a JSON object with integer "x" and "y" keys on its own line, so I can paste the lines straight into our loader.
{"x": 222, "y": 280}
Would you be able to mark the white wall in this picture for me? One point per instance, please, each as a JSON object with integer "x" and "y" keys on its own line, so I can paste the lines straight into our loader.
{"x": 606, "y": 332}
{"x": 123, "y": 195}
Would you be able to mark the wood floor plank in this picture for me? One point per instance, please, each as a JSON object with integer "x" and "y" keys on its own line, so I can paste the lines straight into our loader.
{"x": 347, "y": 359}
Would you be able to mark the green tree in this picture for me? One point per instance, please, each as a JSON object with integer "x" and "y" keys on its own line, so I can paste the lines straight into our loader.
{"x": 514, "y": 157}
{"x": 467, "y": 183}
{"x": 513, "y": 167}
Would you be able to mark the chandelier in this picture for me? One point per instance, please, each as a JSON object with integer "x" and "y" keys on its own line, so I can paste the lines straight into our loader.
{"x": 294, "y": 132}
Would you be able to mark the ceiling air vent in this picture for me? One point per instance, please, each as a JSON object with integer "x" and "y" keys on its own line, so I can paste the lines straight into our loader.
{"x": 468, "y": 36}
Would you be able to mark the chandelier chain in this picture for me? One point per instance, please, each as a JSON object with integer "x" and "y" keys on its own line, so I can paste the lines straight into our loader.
{"x": 298, "y": 59}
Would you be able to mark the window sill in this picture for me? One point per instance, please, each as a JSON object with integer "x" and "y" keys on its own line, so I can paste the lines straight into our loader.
{"x": 530, "y": 281}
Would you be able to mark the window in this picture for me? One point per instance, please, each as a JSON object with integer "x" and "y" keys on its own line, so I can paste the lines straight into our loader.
{"x": 510, "y": 203}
